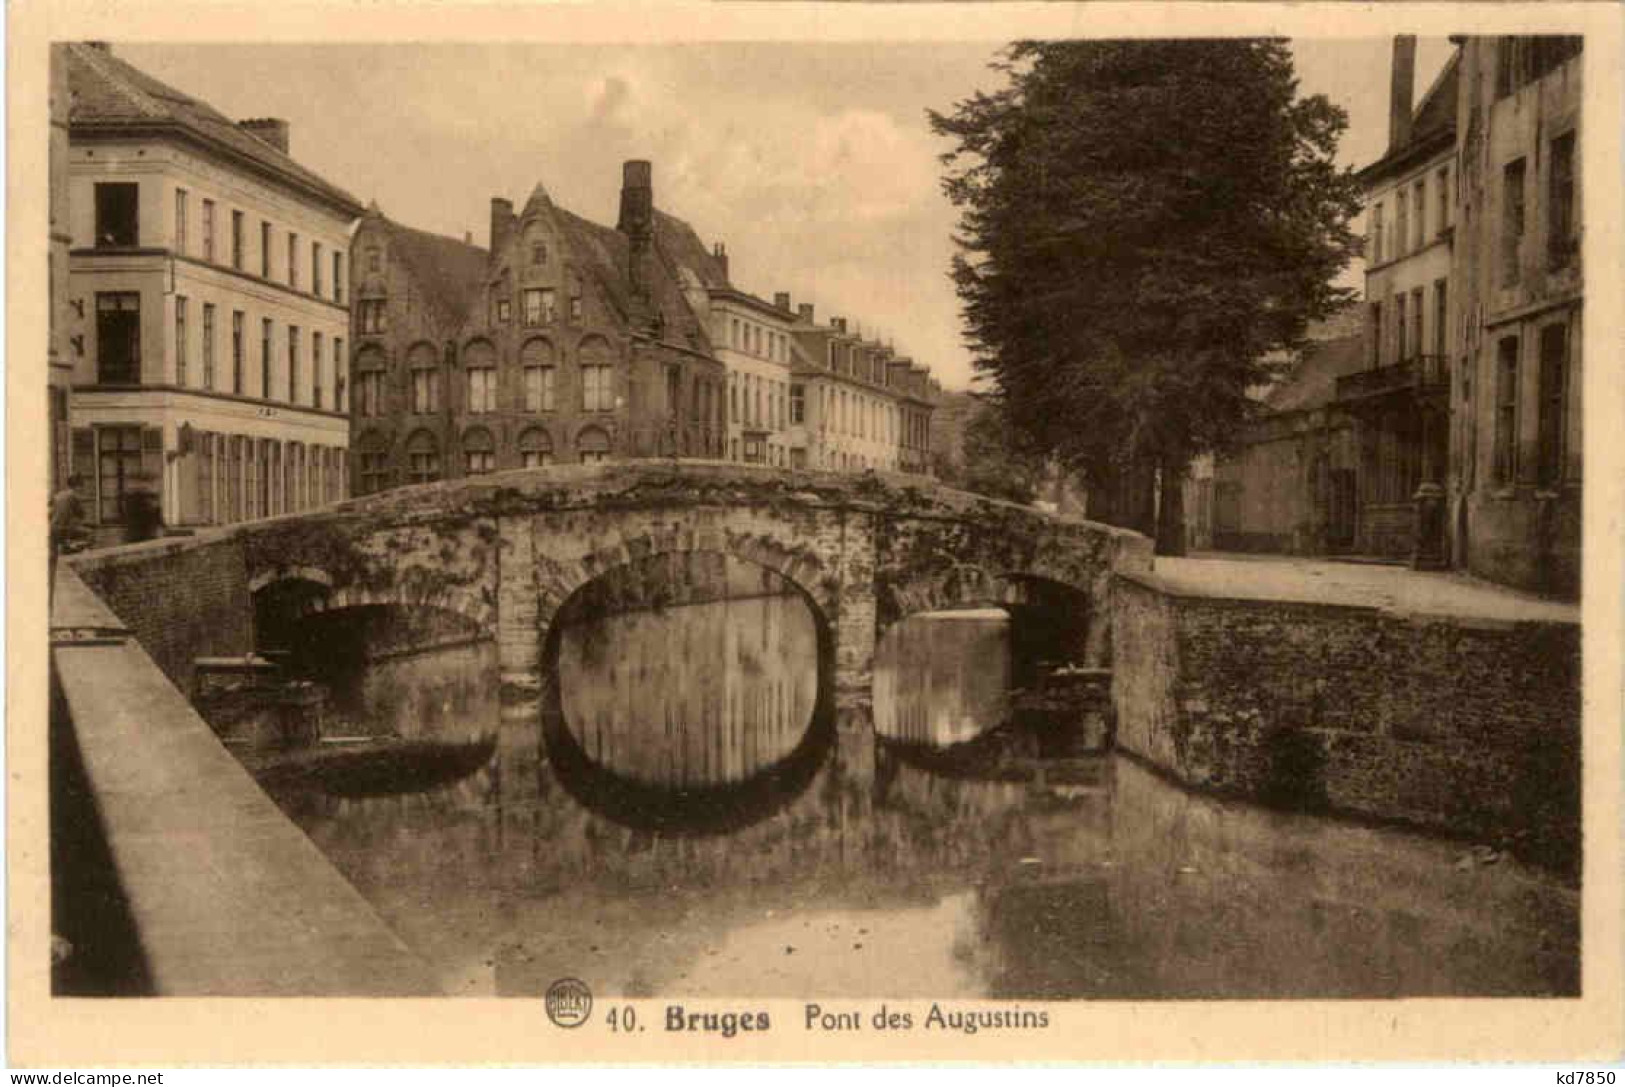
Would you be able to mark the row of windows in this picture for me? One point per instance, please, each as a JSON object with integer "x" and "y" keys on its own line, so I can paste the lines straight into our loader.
{"x": 1561, "y": 242}
{"x": 843, "y": 411}
{"x": 323, "y": 365}
{"x": 1409, "y": 228}
{"x": 118, "y": 224}
{"x": 1397, "y": 326}
{"x": 198, "y": 362}
{"x": 478, "y": 449}
{"x": 757, "y": 402}
{"x": 758, "y": 340}
{"x": 220, "y": 478}
{"x": 480, "y": 390}
{"x": 538, "y": 307}
{"x": 224, "y": 478}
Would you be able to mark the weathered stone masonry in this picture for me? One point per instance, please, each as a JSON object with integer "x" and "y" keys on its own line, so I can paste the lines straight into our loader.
{"x": 507, "y": 551}
{"x": 1466, "y": 726}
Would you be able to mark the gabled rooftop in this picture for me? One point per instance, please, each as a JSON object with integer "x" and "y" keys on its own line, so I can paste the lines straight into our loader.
{"x": 449, "y": 273}
{"x": 111, "y": 97}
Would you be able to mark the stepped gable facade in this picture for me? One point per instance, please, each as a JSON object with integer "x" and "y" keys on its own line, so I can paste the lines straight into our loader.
{"x": 563, "y": 342}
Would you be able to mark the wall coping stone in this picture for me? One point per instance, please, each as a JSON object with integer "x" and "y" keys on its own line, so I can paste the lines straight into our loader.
{"x": 1554, "y": 614}
{"x": 228, "y": 897}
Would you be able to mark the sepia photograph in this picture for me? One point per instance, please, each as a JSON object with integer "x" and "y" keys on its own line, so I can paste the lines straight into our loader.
{"x": 783, "y": 539}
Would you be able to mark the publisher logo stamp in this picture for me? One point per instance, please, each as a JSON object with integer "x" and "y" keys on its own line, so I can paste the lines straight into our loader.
{"x": 569, "y": 1002}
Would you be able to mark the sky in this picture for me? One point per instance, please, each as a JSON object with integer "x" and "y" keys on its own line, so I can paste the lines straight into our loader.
{"x": 812, "y": 162}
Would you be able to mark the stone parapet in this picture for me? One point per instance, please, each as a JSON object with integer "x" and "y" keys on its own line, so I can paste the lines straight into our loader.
{"x": 223, "y": 893}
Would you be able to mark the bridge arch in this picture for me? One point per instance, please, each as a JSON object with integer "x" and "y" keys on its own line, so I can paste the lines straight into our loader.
{"x": 802, "y": 570}
{"x": 746, "y": 791}
{"x": 315, "y": 592}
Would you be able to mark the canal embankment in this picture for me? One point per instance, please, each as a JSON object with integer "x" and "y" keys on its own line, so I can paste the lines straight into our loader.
{"x": 183, "y": 855}
{"x": 1436, "y": 707}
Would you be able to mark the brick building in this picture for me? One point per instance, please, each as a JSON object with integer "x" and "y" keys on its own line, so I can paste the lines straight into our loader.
{"x": 569, "y": 342}
{"x": 564, "y": 342}
{"x": 207, "y": 281}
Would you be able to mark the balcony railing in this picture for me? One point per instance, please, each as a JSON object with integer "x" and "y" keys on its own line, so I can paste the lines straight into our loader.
{"x": 1419, "y": 373}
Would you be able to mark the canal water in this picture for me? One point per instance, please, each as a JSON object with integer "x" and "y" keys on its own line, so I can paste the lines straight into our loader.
{"x": 691, "y": 812}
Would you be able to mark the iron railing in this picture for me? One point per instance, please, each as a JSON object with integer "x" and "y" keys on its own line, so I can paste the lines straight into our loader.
{"x": 1416, "y": 374}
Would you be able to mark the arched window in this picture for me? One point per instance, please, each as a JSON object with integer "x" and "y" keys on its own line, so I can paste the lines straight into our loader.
{"x": 422, "y": 457}
{"x": 597, "y": 369}
{"x": 480, "y": 366}
{"x": 479, "y": 452}
{"x": 535, "y": 448}
{"x": 536, "y": 357}
{"x": 593, "y": 445}
{"x": 423, "y": 364}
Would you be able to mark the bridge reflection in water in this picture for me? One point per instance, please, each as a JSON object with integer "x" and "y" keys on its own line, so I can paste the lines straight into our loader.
{"x": 693, "y": 816}
{"x": 700, "y": 695}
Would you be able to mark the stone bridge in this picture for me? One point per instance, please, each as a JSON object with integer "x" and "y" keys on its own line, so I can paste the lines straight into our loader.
{"x": 507, "y": 551}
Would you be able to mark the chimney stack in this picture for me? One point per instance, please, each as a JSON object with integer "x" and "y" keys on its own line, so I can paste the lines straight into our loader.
{"x": 637, "y": 222}
{"x": 637, "y": 199}
{"x": 806, "y": 312}
{"x": 719, "y": 253}
{"x": 1399, "y": 98}
{"x": 102, "y": 47}
{"x": 271, "y": 130}
{"x": 502, "y": 223}
{"x": 781, "y": 300}
{"x": 839, "y": 323}
{"x": 468, "y": 237}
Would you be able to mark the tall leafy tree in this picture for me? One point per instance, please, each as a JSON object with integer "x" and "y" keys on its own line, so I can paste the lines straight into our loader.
{"x": 1142, "y": 223}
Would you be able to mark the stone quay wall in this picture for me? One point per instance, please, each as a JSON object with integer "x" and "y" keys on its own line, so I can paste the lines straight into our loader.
{"x": 1466, "y": 726}
{"x": 173, "y": 874}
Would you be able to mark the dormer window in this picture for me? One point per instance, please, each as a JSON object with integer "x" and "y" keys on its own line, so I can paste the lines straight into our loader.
{"x": 538, "y": 252}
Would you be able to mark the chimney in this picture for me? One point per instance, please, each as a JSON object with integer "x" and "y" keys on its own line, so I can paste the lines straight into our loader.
{"x": 1399, "y": 97}
{"x": 806, "y": 312}
{"x": 468, "y": 237}
{"x": 101, "y": 47}
{"x": 271, "y": 130}
{"x": 840, "y": 324}
{"x": 501, "y": 223}
{"x": 781, "y": 300}
{"x": 637, "y": 223}
{"x": 720, "y": 254}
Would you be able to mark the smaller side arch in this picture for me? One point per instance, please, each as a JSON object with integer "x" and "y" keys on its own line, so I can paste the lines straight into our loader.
{"x": 266, "y": 578}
